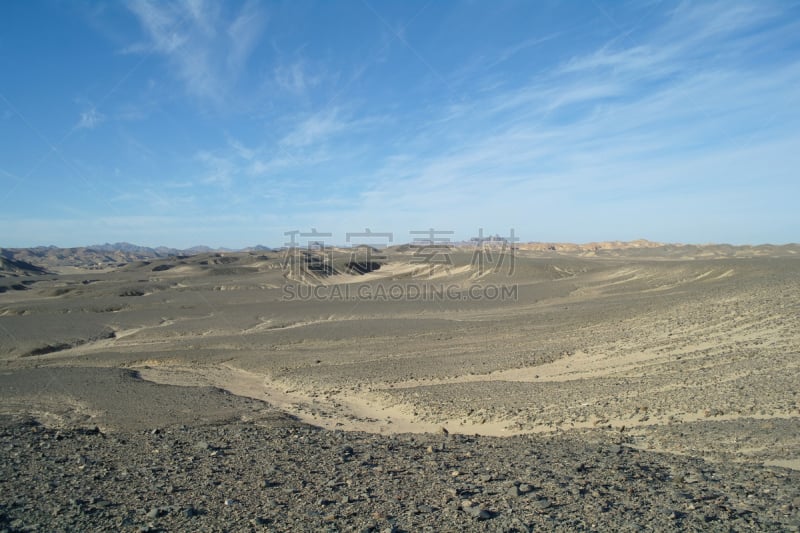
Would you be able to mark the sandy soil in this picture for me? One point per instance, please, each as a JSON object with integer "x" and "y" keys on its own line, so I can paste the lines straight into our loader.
{"x": 644, "y": 345}
{"x": 680, "y": 359}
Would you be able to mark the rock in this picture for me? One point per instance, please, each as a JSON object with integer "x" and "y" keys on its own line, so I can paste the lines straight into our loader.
{"x": 475, "y": 510}
{"x": 479, "y": 513}
{"x": 671, "y": 514}
{"x": 542, "y": 504}
{"x": 414, "y": 492}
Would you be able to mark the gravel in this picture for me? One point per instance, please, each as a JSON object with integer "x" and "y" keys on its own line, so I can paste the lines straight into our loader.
{"x": 294, "y": 478}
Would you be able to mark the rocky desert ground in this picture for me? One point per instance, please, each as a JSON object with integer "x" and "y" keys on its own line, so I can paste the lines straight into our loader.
{"x": 603, "y": 387}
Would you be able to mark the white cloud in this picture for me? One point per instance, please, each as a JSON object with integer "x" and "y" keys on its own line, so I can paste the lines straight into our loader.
{"x": 296, "y": 78}
{"x": 315, "y": 129}
{"x": 207, "y": 50}
{"x": 240, "y": 149}
{"x": 90, "y": 119}
{"x": 623, "y": 130}
{"x": 243, "y": 34}
{"x": 636, "y": 126}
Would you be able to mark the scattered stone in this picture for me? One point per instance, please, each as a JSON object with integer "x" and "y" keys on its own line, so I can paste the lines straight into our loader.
{"x": 318, "y": 492}
{"x": 542, "y": 504}
{"x": 474, "y": 510}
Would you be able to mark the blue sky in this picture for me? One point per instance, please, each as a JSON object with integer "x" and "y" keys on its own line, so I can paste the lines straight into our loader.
{"x": 228, "y": 124}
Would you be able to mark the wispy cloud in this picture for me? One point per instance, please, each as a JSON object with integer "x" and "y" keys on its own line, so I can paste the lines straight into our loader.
{"x": 240, "y": 149}
{"x": 296, "y": 78}
{"x": 643, "y": 121}
{"x": 678, "y": 115}
{"x": 316, "y": 129}
{"x": 220, "y": 170}
{"x": 207, "y": 49}
{"x": 90, "y": 119}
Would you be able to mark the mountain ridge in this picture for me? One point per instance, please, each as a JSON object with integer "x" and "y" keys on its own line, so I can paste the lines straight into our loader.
{"x": 42, "y": 259}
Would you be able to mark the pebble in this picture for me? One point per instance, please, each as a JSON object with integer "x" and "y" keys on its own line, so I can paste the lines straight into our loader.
{"x": 542, "y": 503}
{"x": 414, "y": 492}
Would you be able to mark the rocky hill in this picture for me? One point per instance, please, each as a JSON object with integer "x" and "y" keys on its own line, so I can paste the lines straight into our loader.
{"x": 101, "y": 256}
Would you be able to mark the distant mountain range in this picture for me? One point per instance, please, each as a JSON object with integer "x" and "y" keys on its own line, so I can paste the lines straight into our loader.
{"x": 17, "y": 262}
{"x": 98, "y": 255}
{"x": 163, "y": 251}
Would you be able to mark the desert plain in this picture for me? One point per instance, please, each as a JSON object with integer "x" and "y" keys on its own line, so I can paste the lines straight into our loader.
{"x": 614, "y": 386}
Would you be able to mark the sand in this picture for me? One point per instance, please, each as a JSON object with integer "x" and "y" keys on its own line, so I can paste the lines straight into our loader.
{"x": 633, "y": 342}
{"x": 682, "y": 352}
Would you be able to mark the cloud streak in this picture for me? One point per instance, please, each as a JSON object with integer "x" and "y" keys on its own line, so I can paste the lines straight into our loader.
{"x": 567, "y": 122}
{"x": 623, "y": 125}
{"x": 206, "y": 48}
{"x": 90, "y": 119}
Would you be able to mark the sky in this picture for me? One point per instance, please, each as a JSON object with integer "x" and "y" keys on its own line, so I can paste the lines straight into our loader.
{"x": 234, "y": 123}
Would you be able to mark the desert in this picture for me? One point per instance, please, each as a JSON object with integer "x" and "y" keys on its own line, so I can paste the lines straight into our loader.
{"x": 397, "y": 266}
{"x": 608, "y": 386}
